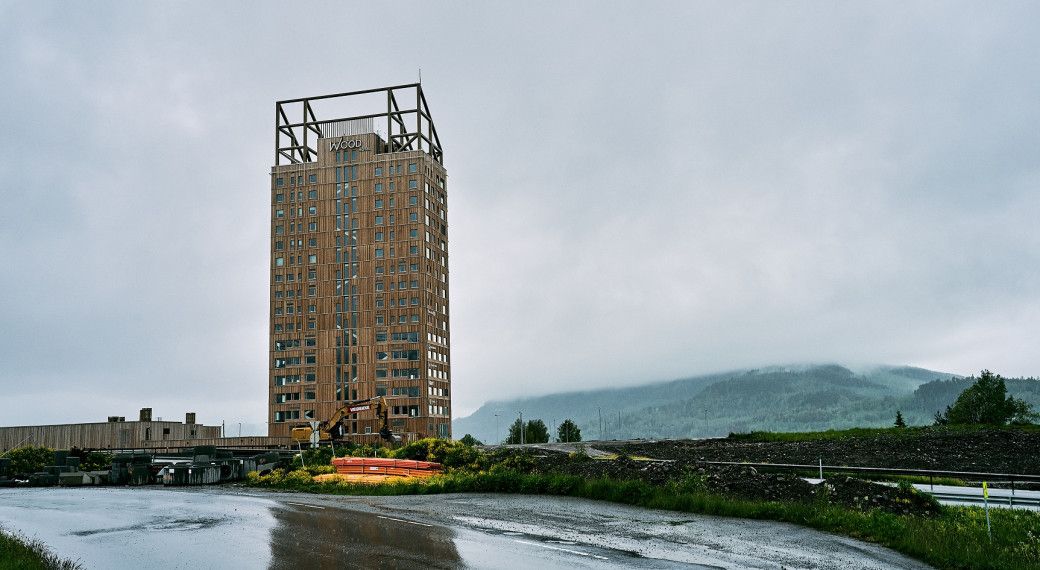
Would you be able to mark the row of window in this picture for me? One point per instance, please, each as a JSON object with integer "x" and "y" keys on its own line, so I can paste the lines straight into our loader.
{"x": 312, "y": 274}
{"x": 381, "y": 336}
{"x": 290, "y": 327}
{"x": 293, "y": 228}
{"x": 401, "y": 319}
{"x": 312, "y": 291}
{"x": 381, "y": 252}
{"x": 295, "y": 259}
{"x": 296, "y": 196}
{"x": 407, "y": 391}
{"x": 295, "y": 244}
{"x": 412, "y": 373}
{"x": 398, "y": 355}
{"x": 295, "y": 180}
{"x": 297, "y": 213}
{"x": 402, "y": 302}
{"x": 294, "y": 379}
{"x": 295, "y": 361}
{"x": 293, "y": 397}
{"x": 392, "y": 169}
{"x": 401, "y": 267}
{"x": 400, "y": 285}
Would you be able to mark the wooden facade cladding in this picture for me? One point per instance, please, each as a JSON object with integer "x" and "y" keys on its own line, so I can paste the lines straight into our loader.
{"x": 106, "y": 435}
{"x": 415, "y": 255}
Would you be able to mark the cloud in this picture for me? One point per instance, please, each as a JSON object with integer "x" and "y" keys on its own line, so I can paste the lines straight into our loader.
{"x": 635, "y": 193}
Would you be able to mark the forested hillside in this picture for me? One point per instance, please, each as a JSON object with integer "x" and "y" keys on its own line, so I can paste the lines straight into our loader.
{"x": 777, "y": 398}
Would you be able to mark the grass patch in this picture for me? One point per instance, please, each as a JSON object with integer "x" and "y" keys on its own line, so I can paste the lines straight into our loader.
{"x": 17, "y": 553}
{"x": 955, "y": 539}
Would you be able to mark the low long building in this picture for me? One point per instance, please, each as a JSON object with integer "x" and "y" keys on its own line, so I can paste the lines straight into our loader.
{"x": 116, "y": 433}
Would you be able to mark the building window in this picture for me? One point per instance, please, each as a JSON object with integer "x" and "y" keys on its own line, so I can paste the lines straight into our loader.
{"x": 379, "y": 172}
{"x": 312, "y": 194}
{"x": 311, "y": 275}
{"x": 313, "y": 178}
{"x": 413, "y": 200}
{"x": 279, "y": 261}
{"x": 314, "y": 308}
{"x": 313, "y": 210}
{"x": 379, "y": 236}
{"x": 412, "y": 168}
{"x": 379, "y": 186}
{"x": 412, "y": 184}
{"x": 312, "y": 258}
{"x": 379, "y": 204}
{"x": 413, "y": 250}
{"x": 279, "y": 214}
{"x": 379, "y": 220}
{"x": 413, "y": 217}
{"x": 379, "y": 319}
{"x": 279, "y": 182}
{"x": 379, "y": 253}
{"x": 313, "y": 226}
{"x": 279, "y": 198}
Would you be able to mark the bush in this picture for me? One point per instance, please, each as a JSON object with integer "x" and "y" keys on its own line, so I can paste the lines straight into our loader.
{"x": 29, "y": 460}
{"x": 986, "y": 402}
{"x": 450, "y": 454}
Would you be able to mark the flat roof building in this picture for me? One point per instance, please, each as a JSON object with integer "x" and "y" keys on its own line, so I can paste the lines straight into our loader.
{"x": 359, "y": 264}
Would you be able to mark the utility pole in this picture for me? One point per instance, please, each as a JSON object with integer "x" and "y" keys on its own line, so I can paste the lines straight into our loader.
{"x": 521, "y": 427}
{"x": 600, "y": 410}
{"x": 497, "y": 431}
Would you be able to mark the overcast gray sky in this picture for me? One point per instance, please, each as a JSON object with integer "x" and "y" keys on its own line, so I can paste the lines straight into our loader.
{"x": 637, "y": 191}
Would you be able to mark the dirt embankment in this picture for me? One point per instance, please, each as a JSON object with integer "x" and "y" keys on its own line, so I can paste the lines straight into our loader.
{"x": 735, "y": 481}
{"x": 993, "y": 451}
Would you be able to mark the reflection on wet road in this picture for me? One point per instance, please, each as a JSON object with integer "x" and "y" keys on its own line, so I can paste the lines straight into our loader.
{"x": 221, "y": 527}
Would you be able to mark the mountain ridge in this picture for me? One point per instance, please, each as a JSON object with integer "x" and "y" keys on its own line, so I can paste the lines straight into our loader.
{"x": 779, "y": 398}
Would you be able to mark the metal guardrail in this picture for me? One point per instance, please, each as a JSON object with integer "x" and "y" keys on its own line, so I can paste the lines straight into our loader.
{"x": 972, "y": 475}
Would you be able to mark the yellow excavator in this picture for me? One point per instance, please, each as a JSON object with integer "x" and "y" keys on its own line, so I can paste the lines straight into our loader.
{"x": 324, "y": 431}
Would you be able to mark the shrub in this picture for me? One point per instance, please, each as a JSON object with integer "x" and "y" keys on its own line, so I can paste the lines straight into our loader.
{"x": 29, "y": 460}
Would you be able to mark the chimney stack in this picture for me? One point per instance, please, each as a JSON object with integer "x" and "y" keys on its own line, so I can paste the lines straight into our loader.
{"x": 146, "y": 414}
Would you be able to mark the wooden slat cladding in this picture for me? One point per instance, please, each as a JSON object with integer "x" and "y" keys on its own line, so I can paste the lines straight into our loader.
{"x": 107, "y": 435}
{"x": 399, "y": 240}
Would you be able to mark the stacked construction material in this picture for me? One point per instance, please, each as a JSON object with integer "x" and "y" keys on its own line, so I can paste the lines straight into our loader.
{"x": 388, "y": 467}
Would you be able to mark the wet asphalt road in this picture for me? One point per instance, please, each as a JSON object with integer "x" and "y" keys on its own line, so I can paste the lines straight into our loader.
{"x": 222, "y": 527}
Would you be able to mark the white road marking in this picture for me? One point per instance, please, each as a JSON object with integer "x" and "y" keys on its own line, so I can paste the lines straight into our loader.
{"x": 305, "y": 505}
{"x": 404, "y": 521}
{"x": 578, "y": 552}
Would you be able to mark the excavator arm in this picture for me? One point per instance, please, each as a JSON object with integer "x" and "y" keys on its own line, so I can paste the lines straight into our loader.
{"x": 378, "y": 404}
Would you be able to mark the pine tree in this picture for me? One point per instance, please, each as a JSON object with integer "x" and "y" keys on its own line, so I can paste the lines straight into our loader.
{"x": 568, "y": 432}
{"x": 899, "y": 419}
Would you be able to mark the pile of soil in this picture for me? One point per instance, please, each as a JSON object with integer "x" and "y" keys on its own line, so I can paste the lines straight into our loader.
{"x": 996, "y": 450}
{"x": 736, "y": 481}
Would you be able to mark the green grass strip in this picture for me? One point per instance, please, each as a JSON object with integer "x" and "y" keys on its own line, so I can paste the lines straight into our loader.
{"x": 956, "y": 539}
{"x": 17, "y": 553}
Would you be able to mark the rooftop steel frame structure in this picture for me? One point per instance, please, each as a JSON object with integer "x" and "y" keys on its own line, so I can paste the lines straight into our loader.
{"x": 407, "y": 128}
